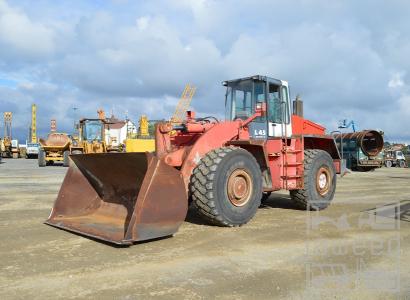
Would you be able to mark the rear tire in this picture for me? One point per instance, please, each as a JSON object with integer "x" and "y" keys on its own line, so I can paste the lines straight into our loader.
{"x": 226, "y": 186}
{"x": 319, "y": 181}
{"x": 66, "y": 161}
{"x": 388, "y": 163}
{"x": 15, "y": 155}
{"x": 41, "y": 158}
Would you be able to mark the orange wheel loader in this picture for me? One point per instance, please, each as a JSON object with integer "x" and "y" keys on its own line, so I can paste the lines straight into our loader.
{"x": 226, "y": 168}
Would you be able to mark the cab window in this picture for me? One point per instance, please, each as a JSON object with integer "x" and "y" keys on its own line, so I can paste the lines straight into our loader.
{"x": 92, "y": 131}
{"x": 274, "y": 104}
{"x": 286, "y": 104}
{"x": 278, "y": 104}
{"x": 241, "y": 98}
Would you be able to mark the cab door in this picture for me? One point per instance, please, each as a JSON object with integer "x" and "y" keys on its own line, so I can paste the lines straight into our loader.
{"x": 278, "y": 102}
{"x": 258, "y": 127}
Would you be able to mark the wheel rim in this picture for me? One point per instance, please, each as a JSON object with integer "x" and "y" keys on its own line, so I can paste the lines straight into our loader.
{"x": 239, "y": 187}
{"x": 323, "y": 181}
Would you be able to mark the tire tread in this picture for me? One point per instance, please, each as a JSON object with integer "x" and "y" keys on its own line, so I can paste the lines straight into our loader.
{"x": 201, "y": 185}
{"x": 300, "y": 197}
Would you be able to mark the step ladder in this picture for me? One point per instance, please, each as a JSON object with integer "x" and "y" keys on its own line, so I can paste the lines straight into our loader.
{"x": 292, "y": 166}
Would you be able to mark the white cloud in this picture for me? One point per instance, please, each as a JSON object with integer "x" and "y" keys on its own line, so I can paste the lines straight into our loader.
{"x": 139, "y": 56}
{"x": 21, "y": 36}
{"x": 143, "y": 22}
{"x": 396, "y": 80}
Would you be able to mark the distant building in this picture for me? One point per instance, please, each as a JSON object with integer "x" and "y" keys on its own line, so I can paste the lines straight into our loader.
{"x": 116, "y": 131}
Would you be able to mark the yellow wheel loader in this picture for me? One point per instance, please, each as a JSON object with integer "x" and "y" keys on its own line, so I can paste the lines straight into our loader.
{"x": 91, "y": 138}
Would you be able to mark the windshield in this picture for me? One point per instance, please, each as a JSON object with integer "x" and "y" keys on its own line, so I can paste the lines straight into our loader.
{"x": 241, "y": 98}
{"x": 92, "y": 131}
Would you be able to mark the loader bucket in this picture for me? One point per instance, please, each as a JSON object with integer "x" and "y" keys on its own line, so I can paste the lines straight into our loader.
{"x": 120, "y": 198}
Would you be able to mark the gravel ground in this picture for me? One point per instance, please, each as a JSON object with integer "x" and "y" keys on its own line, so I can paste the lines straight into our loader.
{"x": 343, "y": 252}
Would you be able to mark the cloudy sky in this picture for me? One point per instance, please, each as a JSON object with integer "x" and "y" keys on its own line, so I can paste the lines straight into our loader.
{"x": 347, "y": 59}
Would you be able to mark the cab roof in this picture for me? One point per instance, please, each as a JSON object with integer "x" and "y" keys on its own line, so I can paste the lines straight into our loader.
{"x": 255, "y": 77}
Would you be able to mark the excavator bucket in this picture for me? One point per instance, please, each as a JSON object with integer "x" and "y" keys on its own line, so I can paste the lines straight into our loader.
{"x": 120, "y": 198}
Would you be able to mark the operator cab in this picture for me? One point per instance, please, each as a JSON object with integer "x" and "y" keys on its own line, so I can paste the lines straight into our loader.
{"x": 399, "y": 155}
{"x": 243, "y": 95}
{"x": 92, "y": 130}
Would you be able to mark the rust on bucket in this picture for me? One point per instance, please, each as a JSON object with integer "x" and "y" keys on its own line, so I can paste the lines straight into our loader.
{"x": 120, "y": 198}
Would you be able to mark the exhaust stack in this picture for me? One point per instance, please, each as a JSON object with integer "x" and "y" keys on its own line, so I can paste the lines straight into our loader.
{"x": 298, "y": 107}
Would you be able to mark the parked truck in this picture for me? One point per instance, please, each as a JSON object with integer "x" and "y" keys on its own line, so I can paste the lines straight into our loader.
{"x": 32, "y": 150}
{"x": 362, "y": 150}
{"x": 56, "y": 148}
{"x": 225, "y": 167}
{"x": 394, "y": 158}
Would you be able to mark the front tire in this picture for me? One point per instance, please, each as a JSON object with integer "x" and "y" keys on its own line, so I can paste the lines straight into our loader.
{"x": 66, "y": 161}
{"x": 226, "y": 186}
{"x": 319, "y": 181}
{"x": 42, "y": 158}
